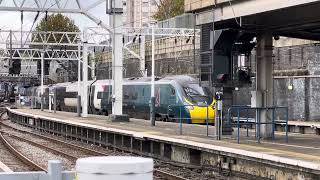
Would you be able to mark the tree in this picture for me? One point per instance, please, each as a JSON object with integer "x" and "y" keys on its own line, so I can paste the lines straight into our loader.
{"x": 57, "y": 22}
{"x": 168, "y": 9}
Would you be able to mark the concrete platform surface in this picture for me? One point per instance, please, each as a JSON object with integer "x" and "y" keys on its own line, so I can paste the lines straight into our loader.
{"x": 302, "y": 150}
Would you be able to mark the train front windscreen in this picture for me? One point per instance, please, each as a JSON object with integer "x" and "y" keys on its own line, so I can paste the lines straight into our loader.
{"x": 198, "y": 95}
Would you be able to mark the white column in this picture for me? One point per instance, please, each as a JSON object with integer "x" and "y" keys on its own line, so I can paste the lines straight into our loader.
{"x": 79, "y": 67}
{"x": 42, "y": 79}
{"x": 50, "y": 101}
{"x": 264, "y": 79}
{"x": 142, "y": 55}
{"x": 152, "y": 65}
{"x": 93, "y": 65}
{"x": 84, "y": 97}
{"x": 152, "y": 99}
{"x": 117, "y": 58}
{"x": 79, "y": 79}
{"x": 42, "y": 72}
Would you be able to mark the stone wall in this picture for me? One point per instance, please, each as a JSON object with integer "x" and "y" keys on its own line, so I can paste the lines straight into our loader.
{"x": 166, "y": 66}
{"x": 303, "y": 100}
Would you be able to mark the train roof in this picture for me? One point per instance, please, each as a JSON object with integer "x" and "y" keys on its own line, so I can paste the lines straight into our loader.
{"x": 180, "y": 79}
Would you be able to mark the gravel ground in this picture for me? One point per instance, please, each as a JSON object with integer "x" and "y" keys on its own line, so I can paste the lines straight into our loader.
{"x": 37, "y": 155}
{"x": 11, "y": 161}
{"x": 179, "y": 171}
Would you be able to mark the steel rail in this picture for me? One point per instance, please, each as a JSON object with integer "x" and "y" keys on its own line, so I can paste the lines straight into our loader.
{"x": 20, "y": 156}
{"x": 54, "y": 151}
{"x": 166, "y": 175}
{"x": 58, "y": 141}
{"x": 162, "y": 174}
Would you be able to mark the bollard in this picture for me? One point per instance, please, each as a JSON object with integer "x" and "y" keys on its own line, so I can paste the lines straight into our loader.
{"x": 31, "y": 102}
{"x": 55, "y": 100}
{"x": 114, "y": 168}
{"x": 152, "y": 111}
{"x": 55, "y": 170}
{"x": 79, "y": 106}
{"x": 41, "y": 103}
{"x": 50, "y": 105}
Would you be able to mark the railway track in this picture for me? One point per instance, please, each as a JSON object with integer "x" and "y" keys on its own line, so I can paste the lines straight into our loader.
{"x": 15, "y": 160}
{"x": 10, "y": 156}
{"x": 68, "y": 150}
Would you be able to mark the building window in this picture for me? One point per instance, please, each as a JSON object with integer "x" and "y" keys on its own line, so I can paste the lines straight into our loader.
{"x": 145, "y": 14}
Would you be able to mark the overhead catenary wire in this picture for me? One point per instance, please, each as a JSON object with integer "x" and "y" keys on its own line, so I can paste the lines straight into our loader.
{"x": 36, "y": 18}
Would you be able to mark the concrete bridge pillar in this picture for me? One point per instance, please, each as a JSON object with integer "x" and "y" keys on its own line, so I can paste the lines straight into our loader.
{"x": 264, "y": 82}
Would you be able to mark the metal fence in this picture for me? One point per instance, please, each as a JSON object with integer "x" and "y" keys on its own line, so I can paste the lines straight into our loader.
{"x": 181, "y": 119}
{"x": 54, "y": 173}
{"x": 256, "y": 122}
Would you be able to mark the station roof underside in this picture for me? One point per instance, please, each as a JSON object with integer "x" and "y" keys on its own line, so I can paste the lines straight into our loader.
{"x": 299, "y": 21}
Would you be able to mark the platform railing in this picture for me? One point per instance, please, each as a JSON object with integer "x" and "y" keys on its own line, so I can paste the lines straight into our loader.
{"x": 257, "y": 121}
{"x": 54, "y": 172}
{"x": 182, "y": 119}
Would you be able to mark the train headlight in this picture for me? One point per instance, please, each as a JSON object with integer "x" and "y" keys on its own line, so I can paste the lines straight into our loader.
{"x": 190, "y": 107}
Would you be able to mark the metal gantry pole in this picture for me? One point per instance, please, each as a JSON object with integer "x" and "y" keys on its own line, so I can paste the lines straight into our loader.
{"x": 42, "y": 78}
{"x": 117, "y": 57}
{"x": 55, "y": 100}
{"x": 84, "y": 98}
{"x": 142, "y": 55}
{"x": 79, "y": 79}
{"x": 11, "y": 53}
{"x": 152, "y": 100}
{"x": 93, "y": 65}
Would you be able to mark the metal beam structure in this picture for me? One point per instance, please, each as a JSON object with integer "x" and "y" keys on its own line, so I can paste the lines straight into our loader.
{"x": 239, "y": 8}
{"x": 56, "y": 6}
{"x": 171, "y": 32}
{"x": 43, "y": 40}
{"x": 35, "y": 54}
{"x": 160, "y": 33}
{"x": 52, "y": 38}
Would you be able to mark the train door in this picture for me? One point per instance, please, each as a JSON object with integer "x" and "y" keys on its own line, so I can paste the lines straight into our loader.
{"x": 167, "y": 97}
{"x": 126, "y": 99}
{"x": 97, "y": 97}
{"x": 144, "y": 108}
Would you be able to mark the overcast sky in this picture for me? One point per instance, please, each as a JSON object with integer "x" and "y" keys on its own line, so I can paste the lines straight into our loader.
{"x": 11, "y": 20}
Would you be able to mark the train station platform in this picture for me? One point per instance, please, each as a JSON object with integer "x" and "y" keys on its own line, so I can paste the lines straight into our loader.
{"x": 270, "y": 159}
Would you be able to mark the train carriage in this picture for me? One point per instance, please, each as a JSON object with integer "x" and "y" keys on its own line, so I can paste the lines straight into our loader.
{"x": 177, "y": 98}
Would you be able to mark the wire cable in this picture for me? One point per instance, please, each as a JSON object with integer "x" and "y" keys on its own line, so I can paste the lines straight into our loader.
{"x": 234, "y": 14}
{"x": 36, "y": 18}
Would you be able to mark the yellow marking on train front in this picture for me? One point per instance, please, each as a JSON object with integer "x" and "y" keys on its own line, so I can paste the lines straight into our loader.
{"x": 199, "y": 114}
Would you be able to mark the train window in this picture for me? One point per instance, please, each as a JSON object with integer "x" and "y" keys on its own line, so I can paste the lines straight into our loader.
{"x": 135, "y": 96}
{"x": 173, "y": 91}
{"x": 99, "y": 95}
{"x": 102, "y": 95}
{"x": 126, "y": 93}
{"x": 198, "y": 94}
